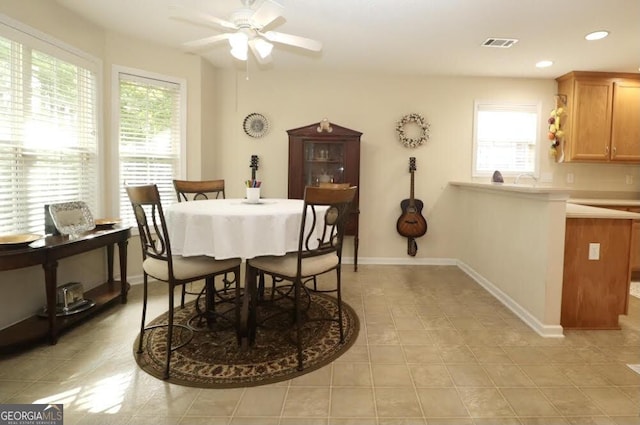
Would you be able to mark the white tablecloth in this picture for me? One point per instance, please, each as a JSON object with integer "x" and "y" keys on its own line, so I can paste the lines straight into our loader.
{"x": 228, "y": 228}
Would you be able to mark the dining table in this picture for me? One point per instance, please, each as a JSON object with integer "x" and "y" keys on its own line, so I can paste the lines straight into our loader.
{"x": 236, "y": 228}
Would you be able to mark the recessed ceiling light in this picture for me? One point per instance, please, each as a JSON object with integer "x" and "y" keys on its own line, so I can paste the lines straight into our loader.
{"x": 544, "y": 64}
{"x": 596, "y": 35}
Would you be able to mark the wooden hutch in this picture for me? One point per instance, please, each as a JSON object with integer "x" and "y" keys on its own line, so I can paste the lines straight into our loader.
{"x": 327, "y": 153}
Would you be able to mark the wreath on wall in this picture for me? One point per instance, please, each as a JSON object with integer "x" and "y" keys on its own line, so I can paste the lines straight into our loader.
{"x": 413, "y": 142}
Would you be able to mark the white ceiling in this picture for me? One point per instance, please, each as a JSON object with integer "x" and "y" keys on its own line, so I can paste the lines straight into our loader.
{"x": 417, "y": 37}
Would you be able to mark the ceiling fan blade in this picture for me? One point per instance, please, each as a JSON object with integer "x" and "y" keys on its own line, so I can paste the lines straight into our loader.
{"x": 293, "y": 40}
{"x": 266, "y": 13}
{"x": 199, "y": 18}
{"x": 262, "y": 59}
{"x": 204, "y": 42}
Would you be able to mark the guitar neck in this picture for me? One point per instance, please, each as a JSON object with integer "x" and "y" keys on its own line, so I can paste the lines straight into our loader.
{"x": 411, "y": 197}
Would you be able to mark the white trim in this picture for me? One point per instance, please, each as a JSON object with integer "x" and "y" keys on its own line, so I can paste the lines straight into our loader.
{"x": 43, "y": 40}
{"x": 402, "y": 261}
{"x": 506, "y": 106}
{"x": 548, "y": 331}
{"x": 116, "y": 70}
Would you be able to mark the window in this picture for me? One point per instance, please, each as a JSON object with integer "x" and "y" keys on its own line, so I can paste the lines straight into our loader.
{"x": 48, "y": 127}
{"x": 150, "y": 133}
{"x": 505, "y": 138}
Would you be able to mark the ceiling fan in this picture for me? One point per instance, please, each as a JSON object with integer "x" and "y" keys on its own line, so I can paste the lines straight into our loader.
{"x": 246, "y": 28}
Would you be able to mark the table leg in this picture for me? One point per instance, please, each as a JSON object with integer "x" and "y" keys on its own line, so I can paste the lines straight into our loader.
{"x": 355, "y": 252}
{"x": 110, "y": 263}
{"x": 51, "y": 287}
{"x": 122, "y": 252}
{"x": 247, "y": 325}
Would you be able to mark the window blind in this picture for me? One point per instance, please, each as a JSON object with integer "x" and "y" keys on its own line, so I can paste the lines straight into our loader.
{"x": 149, "y": 137}
{"x": 505, "y": 139}
{"x": 48, "y": 132}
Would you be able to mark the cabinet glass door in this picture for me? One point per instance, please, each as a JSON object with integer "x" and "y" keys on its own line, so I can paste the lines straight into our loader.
{"x": 323, "y": 163}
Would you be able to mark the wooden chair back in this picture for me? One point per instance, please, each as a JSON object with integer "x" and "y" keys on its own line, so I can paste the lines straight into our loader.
{"x": 199, "y": 189}
{"x": 315, "y": 241}
{"x": 152, "y": 226}
{"x": 334, "y": 185}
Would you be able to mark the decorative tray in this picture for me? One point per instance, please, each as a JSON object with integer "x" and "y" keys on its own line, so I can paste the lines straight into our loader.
{"x": 71, "y": 218}
{"x": 104, "y": 223}
{"x": 18, "y": 241}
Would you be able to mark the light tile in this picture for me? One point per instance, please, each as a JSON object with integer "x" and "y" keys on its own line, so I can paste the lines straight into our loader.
{"x": 397, "y": 402}
{"x": 352, "y": 402}
{"x": 434, "y": 349}
{"x": 441, "y": 403}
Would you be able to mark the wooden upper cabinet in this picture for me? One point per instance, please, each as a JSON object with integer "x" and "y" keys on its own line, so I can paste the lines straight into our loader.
{"x": 625, "y": 126}
{"x": 603, "y": 117}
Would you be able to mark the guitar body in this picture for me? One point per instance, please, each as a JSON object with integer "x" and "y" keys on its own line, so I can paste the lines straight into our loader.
{"x": 411, "y": 224}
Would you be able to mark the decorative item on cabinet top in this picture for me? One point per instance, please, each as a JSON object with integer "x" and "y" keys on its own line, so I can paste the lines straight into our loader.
{"x": 422, "y": 133}
{"x": 556, "y": 134}
{"x": 255, "y": 125}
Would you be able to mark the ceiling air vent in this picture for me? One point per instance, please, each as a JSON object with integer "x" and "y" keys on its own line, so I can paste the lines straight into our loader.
{"x": 504, "y": 43}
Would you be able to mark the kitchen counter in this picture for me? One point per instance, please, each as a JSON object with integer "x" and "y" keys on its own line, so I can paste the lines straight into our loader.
{"x": 576, "y": 210}
{"x": 606, "y": 202}
{"x": 541, "y": 191}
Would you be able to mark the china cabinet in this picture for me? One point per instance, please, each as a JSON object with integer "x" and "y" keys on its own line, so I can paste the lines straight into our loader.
{"x": 602, "y": 122}
{"x": 326, "y": 154}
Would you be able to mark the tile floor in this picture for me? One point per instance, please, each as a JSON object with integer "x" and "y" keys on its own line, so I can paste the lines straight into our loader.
{"x": 434, "y": 349}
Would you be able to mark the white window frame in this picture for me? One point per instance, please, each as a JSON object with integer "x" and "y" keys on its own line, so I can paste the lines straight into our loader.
{"x": 115, "y": 130}
{"x": 527, "y": 106}
{"x": 43, "y": 42}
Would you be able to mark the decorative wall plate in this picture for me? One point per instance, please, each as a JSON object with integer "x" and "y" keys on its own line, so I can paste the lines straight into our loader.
{"x": 255, "y": 125}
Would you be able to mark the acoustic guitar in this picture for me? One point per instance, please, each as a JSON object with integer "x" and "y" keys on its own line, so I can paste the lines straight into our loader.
{"x": 411, "y": 223}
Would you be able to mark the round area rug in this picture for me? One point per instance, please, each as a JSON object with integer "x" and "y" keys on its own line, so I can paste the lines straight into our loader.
{"x": 213, "y": 358}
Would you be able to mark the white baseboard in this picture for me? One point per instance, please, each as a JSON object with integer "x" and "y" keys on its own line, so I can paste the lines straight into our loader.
{"x": 403, "y": 261}
{"x": 548, "y": 331}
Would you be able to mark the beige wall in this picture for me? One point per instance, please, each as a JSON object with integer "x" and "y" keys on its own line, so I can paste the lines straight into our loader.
{"x": 218, "y": 101}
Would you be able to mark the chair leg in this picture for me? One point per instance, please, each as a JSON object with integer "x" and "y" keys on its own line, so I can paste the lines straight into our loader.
{"x": 144, "y": 311}
{"x": 298, "y": 320}
{"x": 169, "y": 333}
{"x": 182, "y": 296}
{"x": 339, "y": 298}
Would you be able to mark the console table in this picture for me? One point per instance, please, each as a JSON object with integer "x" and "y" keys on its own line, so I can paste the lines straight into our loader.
{"x": 47, "y": 252}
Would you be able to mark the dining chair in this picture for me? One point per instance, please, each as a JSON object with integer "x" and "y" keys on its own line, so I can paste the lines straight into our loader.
{"x": 333, "y": 185}
{"x": 324, "y": 185}
{"x": 194, "y": 190}
{"x": 198, "y": 189}
{"x": 158, "y": 263}
{"x": 319, "y": 251}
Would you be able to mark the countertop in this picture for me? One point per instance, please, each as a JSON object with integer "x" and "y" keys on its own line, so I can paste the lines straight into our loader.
{"x": 606, "y": 202}
{"x": 575, "y": 210}
{"x": 580, "y": 203}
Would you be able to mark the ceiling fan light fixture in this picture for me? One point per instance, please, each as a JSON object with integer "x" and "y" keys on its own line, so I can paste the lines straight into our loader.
{"x": 239, "y": 45}
{"x": 263, "y": 47}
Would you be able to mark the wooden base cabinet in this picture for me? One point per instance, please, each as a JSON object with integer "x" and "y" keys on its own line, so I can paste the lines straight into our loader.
{"x": 317, "y": 155}
{"x": 595, "y": 292}
{"x": 602, "y": 123}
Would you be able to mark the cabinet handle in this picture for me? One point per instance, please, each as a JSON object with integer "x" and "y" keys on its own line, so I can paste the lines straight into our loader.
{"x": 606, "y": 150}
{"x": 613, "y": 151}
